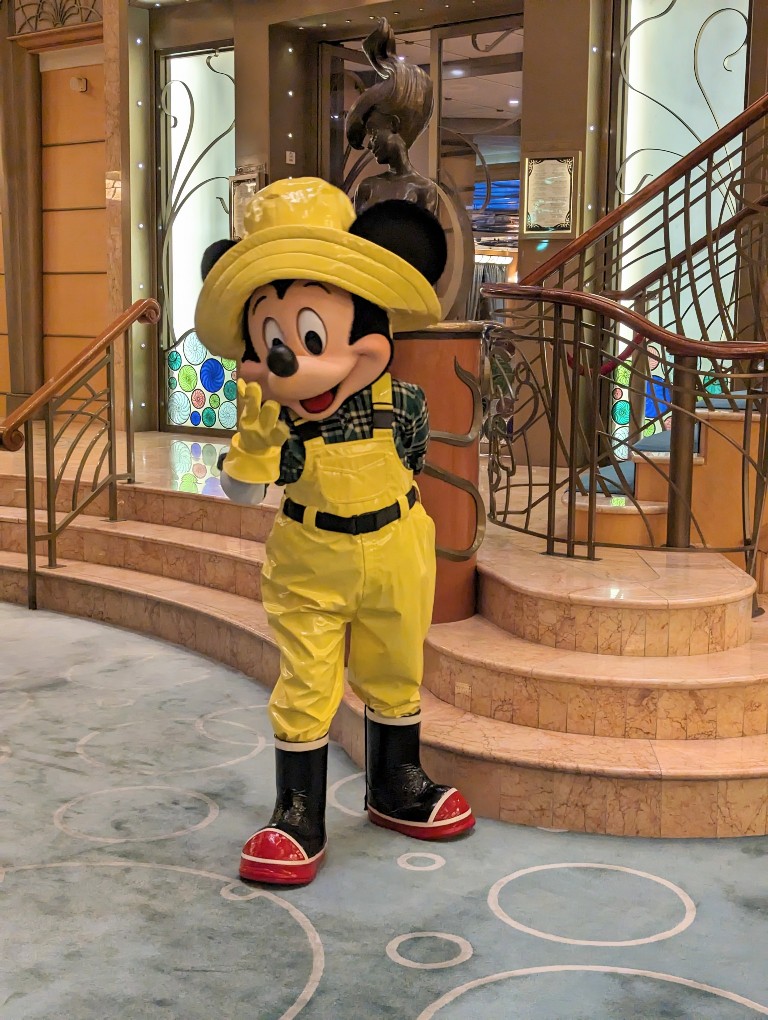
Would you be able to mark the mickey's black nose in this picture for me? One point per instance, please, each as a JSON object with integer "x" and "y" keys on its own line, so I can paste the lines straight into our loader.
{"x": 282, "y": 361}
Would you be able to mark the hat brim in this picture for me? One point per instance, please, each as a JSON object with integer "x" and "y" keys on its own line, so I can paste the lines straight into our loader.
{"x": 322, "y": 254}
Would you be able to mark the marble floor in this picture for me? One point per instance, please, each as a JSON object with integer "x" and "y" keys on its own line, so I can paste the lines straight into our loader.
{"x": 133, "y": 770}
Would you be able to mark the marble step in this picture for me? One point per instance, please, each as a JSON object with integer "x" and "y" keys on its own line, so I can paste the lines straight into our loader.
{"x": 474, "y": 664}
{"x": 652, "y": 476}
{"x": 588, "y": 606}
{"x": 214, "y": 516}
{"x": 621, "y": 521}
{"x": 481, "y": 668}
{"x": 214, "y": 561}
{"x": 516, "y": 773}
{"x": 627, "y": 602}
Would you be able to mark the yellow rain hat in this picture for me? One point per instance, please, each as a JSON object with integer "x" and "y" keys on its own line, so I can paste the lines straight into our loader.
{"x": 298, "y": 229}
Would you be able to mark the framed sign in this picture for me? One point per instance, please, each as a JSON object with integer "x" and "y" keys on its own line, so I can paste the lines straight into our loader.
{"x": 242, "y": 187}
{"x": 551, "y": 193}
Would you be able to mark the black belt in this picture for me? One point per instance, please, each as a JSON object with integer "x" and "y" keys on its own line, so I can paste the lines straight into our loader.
{"x": 360, "y": 524}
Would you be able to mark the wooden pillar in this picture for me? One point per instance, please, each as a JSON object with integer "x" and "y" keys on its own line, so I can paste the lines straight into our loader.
{"x": 428, "y": 358}
{"x": 118, "y": 177}
{"x": 22, "y": 205}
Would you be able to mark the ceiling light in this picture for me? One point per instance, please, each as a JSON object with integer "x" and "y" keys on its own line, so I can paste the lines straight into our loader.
{"x": 290, "y": 49}
{"x": 514, "y": 102}
{"x": 457, "y": 72}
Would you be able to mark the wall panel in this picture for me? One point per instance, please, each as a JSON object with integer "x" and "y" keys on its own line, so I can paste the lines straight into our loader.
{"x": 75, "y": 290}
{"x": 74, "y": 305}
{"x": 75, "y": 241}
{"x": 73, "y": 116}
{"x": 73, "y": 176}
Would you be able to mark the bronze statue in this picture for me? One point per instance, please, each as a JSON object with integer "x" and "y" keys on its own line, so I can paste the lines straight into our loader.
{"x": 391, "y": 115}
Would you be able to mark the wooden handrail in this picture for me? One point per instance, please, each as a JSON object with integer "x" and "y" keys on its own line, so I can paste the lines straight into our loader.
{"x": 11, "y": 434}
{"x": 672, "y": 342}
{"x": 707, "y": 148}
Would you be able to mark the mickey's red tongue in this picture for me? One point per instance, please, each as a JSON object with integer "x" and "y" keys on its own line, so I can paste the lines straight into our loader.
{"x": 318, "y": 404}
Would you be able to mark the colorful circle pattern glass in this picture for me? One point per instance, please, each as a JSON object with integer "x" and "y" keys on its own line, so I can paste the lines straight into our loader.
{"x": 201, "y": 389}
{"x": 657, "y": 415}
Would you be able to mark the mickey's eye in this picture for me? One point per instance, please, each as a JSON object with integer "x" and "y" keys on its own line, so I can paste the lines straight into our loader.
{"x": 273, "y": 335}
{"x": 312, "y": 331}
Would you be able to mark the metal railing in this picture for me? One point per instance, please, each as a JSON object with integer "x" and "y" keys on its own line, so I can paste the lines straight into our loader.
{"x": 650, "y": 326}
{"x": 79, "y": 413}
{"x": 550, "y": 393}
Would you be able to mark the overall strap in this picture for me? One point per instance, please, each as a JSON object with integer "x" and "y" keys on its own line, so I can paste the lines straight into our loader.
{"x": 381, "y": 397}
{"x": 306, "y": 430}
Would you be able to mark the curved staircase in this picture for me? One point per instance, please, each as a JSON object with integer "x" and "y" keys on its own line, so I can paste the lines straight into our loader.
{"x": 601, "y": 697}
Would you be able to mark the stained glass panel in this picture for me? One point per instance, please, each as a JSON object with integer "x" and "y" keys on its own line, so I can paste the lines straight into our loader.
{"x": 202, "y": 391}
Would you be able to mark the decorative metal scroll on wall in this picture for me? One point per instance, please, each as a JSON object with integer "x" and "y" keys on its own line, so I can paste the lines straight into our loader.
{"x": 661, "y": 105}
{"x": 43, "y": 15}
{"x": 465, "y": 439}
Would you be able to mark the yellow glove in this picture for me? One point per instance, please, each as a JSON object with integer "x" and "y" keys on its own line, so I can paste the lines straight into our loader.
{"x": 254, "y": 456}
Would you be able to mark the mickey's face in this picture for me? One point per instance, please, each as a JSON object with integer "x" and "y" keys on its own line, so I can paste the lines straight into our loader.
{"x": 301, "y": 351}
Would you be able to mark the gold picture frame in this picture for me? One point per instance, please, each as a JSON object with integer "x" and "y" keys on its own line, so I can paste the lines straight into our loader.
{"x": 551, "y": 195}
{"x": 242, "y": 187}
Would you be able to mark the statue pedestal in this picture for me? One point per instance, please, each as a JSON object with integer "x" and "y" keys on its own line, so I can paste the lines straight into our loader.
{"x": 427, "y": 358}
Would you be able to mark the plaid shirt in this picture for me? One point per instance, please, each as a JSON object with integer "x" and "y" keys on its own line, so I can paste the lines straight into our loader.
{"x": 354, "y": 420}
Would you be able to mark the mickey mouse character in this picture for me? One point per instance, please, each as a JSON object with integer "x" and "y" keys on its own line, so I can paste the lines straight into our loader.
{"x": 304, "y": 304}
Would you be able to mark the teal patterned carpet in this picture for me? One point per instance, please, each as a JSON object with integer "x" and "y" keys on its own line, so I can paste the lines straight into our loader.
{"x": 132, "y": 772}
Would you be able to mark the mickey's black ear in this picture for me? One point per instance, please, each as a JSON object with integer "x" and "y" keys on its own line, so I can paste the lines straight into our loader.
{"x": 407, "y": 230}
{"x": 213, "y": 253}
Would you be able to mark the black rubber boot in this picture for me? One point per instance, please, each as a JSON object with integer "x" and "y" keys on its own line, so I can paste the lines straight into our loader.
{"x": 289, "y": 849}
{"x": 399, "y": 794}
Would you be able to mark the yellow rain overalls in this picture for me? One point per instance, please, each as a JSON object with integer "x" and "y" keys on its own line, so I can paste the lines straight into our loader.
{"x": 381, "y": 583}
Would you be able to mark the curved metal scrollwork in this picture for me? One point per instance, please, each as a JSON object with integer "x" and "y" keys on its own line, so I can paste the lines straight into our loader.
{"x": 42, "y": 15}
{"x": 456, "y": 481}
{"x": 178, "y": 192}
{"x": 682, "y": 118}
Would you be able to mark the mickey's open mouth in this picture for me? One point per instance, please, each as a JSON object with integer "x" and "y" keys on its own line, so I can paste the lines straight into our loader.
{"x": 320, "y": 403}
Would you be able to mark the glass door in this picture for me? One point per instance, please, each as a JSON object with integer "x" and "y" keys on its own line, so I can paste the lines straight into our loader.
{"x": 196, "y": 144}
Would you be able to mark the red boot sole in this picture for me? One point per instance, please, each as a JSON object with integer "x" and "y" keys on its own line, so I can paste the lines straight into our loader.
{"x": 454, "y": 827}
{"x": 279, "y": 874}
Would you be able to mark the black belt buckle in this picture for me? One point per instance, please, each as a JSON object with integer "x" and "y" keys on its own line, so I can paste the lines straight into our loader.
{"x": 359, "y": 524}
